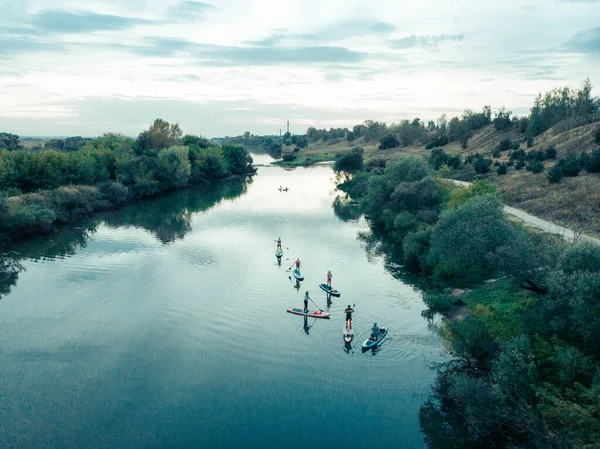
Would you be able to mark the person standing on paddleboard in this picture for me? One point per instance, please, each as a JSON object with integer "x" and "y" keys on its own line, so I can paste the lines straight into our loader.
{"x": 306, "y": 298}
{"x": 329, "y": 276}
{"x": 349, "y": 311}
{"x": 279, "y": 244}
{"x": 298, "y": 263}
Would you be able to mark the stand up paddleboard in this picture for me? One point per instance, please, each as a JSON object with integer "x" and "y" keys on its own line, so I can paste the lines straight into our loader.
{"x": 298, "y": 275}
{"x": 331, "y": 291}
{"x": 314, "y": 314}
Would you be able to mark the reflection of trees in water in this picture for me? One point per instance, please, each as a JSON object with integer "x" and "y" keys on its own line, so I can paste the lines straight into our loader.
{"x": 167, "y": 217}
{"x": 9, "y": 273}
{"x": 346, "y": 210}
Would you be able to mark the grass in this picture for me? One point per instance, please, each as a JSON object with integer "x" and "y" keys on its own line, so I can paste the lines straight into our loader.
{"x": 500, "y": 304}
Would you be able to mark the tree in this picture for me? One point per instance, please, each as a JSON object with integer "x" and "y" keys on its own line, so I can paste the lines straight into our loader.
{"x": 482, "y": 165}
{"x": 597, "y": 135}
{"x": 9, "y": 142}
{"x": 502, "y": 169}
{"x": 592, "y": 163}
{"x": 550, "y": 153}
{"x": 163, "y": 134}
{"x": 388, "y": 141}
{"x": 555, "y": 174}
{"x": 190, "y": 140}
{"x": 502, "y": 119}
{"x": 301, "y": 142}
{"x": 350, "y": 162}
{"x": 238, "y": 159}
{"x": 465, "y": 237}
{"x": 437, "y": 158}
{"x": 247, "y": 135}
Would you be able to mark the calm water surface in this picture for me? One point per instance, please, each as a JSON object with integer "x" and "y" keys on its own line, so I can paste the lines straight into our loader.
{"x": 164, "y": 325}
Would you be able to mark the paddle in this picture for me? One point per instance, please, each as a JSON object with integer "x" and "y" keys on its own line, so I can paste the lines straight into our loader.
{"x": 315, "y": 304}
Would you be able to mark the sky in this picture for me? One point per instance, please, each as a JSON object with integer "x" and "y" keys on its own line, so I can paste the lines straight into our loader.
{"x": 222, "y": 67}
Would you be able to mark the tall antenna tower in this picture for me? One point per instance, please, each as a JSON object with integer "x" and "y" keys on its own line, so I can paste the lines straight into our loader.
{"x": 288, "y": 126}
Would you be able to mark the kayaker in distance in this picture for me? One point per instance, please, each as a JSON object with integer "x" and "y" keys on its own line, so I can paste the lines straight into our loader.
{"x": 375, "y": 331}
{"x": 348, "y": 311}
{"x": 329, "y": 278}
{"x": 306, "y": 298}
{"x": 298, "y": 263}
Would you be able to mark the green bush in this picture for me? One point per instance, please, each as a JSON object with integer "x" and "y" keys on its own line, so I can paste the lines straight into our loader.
{"x": 437, "y": 158}
{"x": 115, "y": 192}
{"x": 388, "y": 141}
{"x": 555, "y": 174}
{"x": 502, "y": 169}
{"x": 454, "y": 162}
{"x": 505, "y": 144}
{"x": 482, "y": 165}
{"x": 289, "y": 157}
{"x": 535, "y": 167}
{"x": 350, "y": 162}
{"x": 592, "y": 162}
{"x": 465, "y": 237}
{"x": 415, "y": 248}
{"x": 571, "y": 166}
{"x": 550, "y": 153}
{"x": 597, "y": 135}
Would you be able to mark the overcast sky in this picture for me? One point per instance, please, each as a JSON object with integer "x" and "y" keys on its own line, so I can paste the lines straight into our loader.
{"x": 224, "y": 67}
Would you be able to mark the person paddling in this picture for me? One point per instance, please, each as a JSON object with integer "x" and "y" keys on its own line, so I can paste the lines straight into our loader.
{"x": 279, "y": 244}
{"x": 329, "y": 276}
{"x": 348, "y": 311}
{"x": 375, "y": 331}
{"x": 306, "y": 298}
{"x": 298, "y": 264}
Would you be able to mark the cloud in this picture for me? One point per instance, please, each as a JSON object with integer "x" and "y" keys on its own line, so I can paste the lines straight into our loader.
{"x": 190, "y": 77}
{"x": 189, "y": 11}
{"x": 56, "y": 21}
{"x": 218, "y": 55}
{"x": 587, "y": 41}
{"x": 22, "y": 45}
{"x": 349, "y": 29}
{"x": 333, "y": 33}
{"x": 414, "y": 41}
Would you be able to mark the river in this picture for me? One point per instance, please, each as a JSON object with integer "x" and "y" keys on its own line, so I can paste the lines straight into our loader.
{"x": 164, "y": 324}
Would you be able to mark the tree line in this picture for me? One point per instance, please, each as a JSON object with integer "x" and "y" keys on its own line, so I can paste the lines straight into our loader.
{"x": 568, "y": 105}
{"x": 41, "y": 188}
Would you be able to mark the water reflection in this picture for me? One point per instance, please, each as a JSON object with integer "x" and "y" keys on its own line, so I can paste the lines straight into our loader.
{"x": 168, "y": 218}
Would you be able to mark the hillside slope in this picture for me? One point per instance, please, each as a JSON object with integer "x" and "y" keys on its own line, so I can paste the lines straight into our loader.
{"x": 574, "y": 202}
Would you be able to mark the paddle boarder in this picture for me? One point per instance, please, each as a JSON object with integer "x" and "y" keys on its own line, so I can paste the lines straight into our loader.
{"x": 298, "y": 264}
{"x": 375, "y": 331}
{"x": 329, "y": 276}
{"x": 348, "y": 311}
{"x": 306, "y": 298}
{"x": 279, "y": 244}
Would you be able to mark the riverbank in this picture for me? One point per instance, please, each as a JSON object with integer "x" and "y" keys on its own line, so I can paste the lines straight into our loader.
{"x": 521, "y": 310}
{"x": 54, "y": 186}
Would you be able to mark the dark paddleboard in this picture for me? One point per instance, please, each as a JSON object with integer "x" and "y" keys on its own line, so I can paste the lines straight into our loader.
{"x": 331, "y": 291}
{"x": 370, "y": 343}
{"x": 298, "y": 275}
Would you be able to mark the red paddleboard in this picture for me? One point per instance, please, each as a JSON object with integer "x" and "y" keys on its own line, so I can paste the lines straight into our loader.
{"x": 314, "y": 314}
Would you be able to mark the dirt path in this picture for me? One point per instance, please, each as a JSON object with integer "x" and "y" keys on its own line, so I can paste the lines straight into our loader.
{"x": 536, "y": 222}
